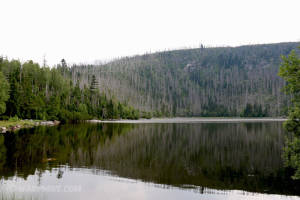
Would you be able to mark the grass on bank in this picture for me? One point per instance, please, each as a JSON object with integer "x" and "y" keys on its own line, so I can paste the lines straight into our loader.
{"x": 14, "y": 121}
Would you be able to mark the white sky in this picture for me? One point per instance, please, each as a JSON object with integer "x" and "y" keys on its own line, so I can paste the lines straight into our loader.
{"x": 88, "y": 30}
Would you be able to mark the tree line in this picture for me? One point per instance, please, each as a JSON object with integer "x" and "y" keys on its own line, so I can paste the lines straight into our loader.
{"x": 30, "y": 91}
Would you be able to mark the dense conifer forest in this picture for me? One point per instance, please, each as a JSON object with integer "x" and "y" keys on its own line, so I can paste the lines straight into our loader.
{"x": 29, "y": 91}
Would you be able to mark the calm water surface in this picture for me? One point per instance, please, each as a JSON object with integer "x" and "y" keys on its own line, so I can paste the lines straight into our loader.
{"x": 146, "y": 161}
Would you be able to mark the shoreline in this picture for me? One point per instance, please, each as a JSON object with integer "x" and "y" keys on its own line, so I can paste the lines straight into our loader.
{"x": 189, "y": 120}
{"x": 10, "y": 126}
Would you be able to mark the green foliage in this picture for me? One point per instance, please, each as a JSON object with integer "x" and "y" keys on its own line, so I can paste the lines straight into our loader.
{"x": 3, "y": 93}
{"x": 290, "y": 71}
{"x": 33, "y": 92}
{"x": 94, "y": 84}
{"x": 146, "y": 115}
{"x": 291, "y": 155}
{"x": 293, "y": 124}
{"x": 254, "y": 111}
{"x": 13, "y": 119}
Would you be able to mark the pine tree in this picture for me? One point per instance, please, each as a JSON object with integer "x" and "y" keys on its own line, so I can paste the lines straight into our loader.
{"x": 94, "y": 84}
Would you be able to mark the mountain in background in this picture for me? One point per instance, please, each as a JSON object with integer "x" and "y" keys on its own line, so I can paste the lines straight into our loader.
{"x": 222, "y": 81}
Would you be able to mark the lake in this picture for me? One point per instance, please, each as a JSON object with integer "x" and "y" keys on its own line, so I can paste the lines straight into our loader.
{"x": 191, "y": 160}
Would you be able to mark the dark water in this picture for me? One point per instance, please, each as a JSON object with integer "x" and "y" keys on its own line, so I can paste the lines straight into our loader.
{"x": 146, "y": 161}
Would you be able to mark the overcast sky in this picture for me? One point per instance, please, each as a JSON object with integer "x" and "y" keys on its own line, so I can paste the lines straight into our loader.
{"x": 88, "y": 30}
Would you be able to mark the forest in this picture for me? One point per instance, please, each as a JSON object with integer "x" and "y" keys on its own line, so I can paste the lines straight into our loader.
{"x": 29, "y": 91}
{"x": 205, "y": 81}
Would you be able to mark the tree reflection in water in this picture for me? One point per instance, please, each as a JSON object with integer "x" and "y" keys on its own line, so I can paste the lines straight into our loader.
{"x": 244, "y": 156}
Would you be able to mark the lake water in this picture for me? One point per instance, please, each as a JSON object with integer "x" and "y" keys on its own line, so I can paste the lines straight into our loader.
{"x": 237, "y": 160}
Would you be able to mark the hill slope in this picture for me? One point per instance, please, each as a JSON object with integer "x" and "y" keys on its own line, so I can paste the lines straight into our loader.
{"x": 224, "y": 81}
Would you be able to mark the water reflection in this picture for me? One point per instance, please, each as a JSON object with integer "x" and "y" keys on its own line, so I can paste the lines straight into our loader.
{"x": 193, "y": 157}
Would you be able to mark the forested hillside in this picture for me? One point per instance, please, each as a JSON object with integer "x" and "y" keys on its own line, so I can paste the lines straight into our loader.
{"x": 29, "y": 91}
{"x": 224, "y": 81}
